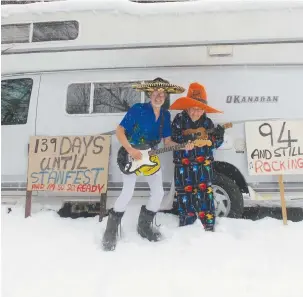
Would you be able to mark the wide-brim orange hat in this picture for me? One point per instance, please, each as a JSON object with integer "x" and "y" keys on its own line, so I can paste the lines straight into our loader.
{"x": 196, "y": 97}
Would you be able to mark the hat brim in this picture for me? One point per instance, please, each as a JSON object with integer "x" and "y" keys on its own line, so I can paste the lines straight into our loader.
{"x": 150, "y": 87}
{"x": 187, "y": 102}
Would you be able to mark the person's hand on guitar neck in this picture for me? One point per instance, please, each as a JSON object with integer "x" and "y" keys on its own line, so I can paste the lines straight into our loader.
{"x": 189, "y": 146}
{"x": 134, "y": 153}
{"x": 168, "y": 142}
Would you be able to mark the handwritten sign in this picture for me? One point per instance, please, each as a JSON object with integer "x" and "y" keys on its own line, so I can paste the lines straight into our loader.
{"x": 274, "y": 147}
{"x": 68, "y": 163}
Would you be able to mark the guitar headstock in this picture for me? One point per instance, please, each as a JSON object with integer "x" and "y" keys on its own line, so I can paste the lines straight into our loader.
{"x": 227, "y": 125}
{"x": 202, "y": 142}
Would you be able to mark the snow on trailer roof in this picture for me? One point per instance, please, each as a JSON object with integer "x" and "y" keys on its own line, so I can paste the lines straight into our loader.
{"x": 119, "y": 23}
{"x": 140, "y": 8}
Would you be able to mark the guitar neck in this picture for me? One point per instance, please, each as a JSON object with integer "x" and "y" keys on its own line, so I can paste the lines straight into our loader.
{"x": 213, "y": 129}
{"x": 167, "y": 149}
{"x": 179, "y": 146}
{"x": 209, "y": 131}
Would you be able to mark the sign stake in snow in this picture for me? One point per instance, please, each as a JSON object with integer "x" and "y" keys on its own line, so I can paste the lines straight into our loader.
{"x": 68, "y": 164}
{"x": 275, "y": 148}
{"x": 282, "y": 196}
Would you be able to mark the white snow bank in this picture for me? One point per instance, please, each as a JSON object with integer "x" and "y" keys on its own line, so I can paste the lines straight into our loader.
{"x": 128, "y": 7}
{"x": 47, "y": 256}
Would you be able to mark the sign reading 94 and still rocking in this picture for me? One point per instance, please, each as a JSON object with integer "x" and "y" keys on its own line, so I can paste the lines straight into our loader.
{"x": 274, "y": 147}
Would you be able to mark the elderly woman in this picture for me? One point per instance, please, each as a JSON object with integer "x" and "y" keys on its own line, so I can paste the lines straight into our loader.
{"x": 193, "y": 169}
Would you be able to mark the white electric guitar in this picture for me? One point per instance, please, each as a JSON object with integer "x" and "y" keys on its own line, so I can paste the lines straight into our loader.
{"x": 149, "y": 163}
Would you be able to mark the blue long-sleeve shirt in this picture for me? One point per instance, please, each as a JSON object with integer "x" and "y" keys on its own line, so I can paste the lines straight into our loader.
{"x": 141, "y": 126}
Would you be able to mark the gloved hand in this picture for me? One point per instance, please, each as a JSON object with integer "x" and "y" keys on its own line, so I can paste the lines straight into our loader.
{"x": 219, "y": 132}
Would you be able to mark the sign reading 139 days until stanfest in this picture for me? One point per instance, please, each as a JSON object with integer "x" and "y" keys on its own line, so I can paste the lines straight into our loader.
{"x": 68, "y": 163}
{"x": 274, "y": 147}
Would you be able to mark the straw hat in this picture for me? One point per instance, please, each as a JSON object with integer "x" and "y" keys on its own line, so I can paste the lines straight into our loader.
{"x": 159, "y": 84}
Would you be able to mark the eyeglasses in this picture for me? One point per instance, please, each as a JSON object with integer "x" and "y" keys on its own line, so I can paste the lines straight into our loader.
{"x": 198, "y": 110}
{"x": 157, "y": 93}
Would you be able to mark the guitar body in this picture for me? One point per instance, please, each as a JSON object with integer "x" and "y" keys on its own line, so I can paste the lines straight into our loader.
{"x": 146, "y": 166}
{"x": 149, "y": 163}
{"x": 202, "y": 132}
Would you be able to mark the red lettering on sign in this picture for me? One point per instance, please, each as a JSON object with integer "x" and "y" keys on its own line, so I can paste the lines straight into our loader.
{"x": 258, "y": 166}
{"x": 77, "y": 188}
{"x": 89, "y": 188}
{"x": 275, "y": 169}
{"x": 267, "y": 167}
{"x": 51, "y": 187}
{"x": 100, "y": 188}
{"x": 37, "y": 187}
{"x": 282, "y": 165}
{"x": 61, "y": 187}
{"x": 270, "y": 166}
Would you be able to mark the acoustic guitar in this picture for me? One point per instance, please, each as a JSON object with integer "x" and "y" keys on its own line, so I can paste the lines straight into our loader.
{"x": 202, "y": 132}
{"x": 149, "y": 163}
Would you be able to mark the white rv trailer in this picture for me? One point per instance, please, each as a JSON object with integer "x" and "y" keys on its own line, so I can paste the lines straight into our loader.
{"x": 69, "y": 67}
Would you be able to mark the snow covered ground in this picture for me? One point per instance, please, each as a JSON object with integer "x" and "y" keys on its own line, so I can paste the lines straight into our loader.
{"x": 48, "y": 256}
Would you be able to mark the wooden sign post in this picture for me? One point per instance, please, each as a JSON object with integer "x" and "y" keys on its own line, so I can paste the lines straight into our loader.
{"x": 68, "y": 164}
{"x": 283, "y": 202}
{"x": 28, "y": 197}
{"x": 28, "y": 203}
{"x": 275, "y": 148}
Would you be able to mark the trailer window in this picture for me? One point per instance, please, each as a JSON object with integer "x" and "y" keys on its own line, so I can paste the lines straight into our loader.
{"x": 42, "y": 31}
{"x": 78, "y": 98}
{"x": 15, "y": 99}
{"x": 17, "y": 33}
{"x": 114, "y": 97}
{"x": 52, "y": 31}
{"x": 86, "y": 98}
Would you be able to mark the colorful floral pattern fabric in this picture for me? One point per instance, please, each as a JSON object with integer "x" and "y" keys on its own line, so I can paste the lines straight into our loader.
{"x": 193, "y": 173}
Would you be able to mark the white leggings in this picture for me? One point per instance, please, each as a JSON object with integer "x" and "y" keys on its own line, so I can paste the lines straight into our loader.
{"x": 129, "y": 182}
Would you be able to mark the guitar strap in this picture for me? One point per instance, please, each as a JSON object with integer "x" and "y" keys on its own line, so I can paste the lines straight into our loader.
{"x": 161, "y": 126}
{"x": 156, "y": 142}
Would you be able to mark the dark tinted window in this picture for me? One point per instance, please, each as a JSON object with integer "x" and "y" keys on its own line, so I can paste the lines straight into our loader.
{"x": 78, "y": 98}
{"x": 18, "y": 33}
{"x": 44, "y": 31}
{"x": 114, "y": 97}
{"x": 15, "y": 99}
{"x": 52, "y": 31}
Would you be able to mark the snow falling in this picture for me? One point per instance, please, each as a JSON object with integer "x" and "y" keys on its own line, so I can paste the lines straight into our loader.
{"x": 49, "y": 256}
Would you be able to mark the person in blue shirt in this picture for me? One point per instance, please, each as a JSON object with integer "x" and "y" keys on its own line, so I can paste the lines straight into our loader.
{"x": 144, "y": 124}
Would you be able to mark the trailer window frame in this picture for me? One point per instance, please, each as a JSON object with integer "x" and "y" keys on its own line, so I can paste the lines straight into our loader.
{"x": 67, "y": 30}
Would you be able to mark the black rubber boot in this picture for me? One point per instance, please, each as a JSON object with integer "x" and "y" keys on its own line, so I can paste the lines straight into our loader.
{"x": 109, "y": 240}
{"x": 145, "y": 228}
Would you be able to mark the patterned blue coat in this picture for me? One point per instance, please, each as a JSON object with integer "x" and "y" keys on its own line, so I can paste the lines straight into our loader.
{"x": 193, "y": 172}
